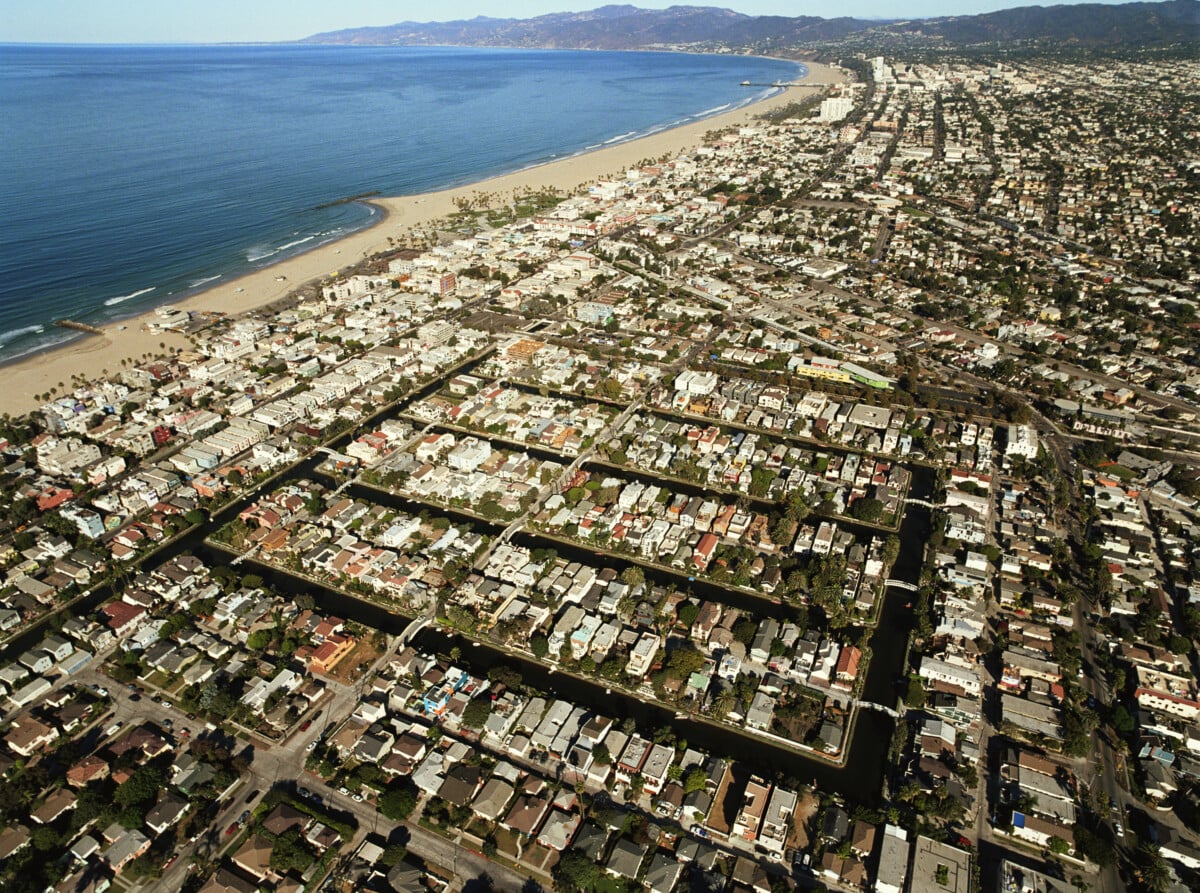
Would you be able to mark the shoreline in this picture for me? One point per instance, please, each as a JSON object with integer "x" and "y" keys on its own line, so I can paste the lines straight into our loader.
{"x": 95, "y": 356}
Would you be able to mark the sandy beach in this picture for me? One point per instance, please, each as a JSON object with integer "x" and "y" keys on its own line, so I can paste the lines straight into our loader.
{"x": 96, "y": 356}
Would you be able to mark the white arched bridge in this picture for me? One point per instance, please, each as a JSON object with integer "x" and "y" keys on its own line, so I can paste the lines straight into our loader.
{"x": 929, "y": 505}
{"x": 878, "y": 708}
{"x": 901, "y": 584}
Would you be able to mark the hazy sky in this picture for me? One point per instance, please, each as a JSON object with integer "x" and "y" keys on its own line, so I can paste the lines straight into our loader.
{"x": 214, "y": 21}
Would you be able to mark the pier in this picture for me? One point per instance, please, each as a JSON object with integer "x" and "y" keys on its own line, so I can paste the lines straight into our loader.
{"x": 79, "y": 326}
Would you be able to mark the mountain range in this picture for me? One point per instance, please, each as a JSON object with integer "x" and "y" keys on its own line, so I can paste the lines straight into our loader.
{"x": 628, "y": 27}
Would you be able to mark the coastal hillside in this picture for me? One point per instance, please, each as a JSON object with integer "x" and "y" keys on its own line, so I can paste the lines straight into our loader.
{"x": 605, "y": 28}
{"x": 628, "y": 27}
{"x": 1086, "y": 24}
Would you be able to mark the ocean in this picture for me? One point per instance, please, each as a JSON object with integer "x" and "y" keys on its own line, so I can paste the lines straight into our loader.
{"x": 133, "y": 176}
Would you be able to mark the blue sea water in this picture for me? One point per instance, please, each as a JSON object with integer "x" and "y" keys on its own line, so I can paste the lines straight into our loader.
{"x": 131, "y": 176}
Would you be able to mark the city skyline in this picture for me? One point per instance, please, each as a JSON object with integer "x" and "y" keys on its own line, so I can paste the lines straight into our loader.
{"x": 224, "y": 21}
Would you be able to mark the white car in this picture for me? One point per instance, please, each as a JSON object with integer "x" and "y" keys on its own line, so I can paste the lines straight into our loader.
{"x": 311, "y": 746}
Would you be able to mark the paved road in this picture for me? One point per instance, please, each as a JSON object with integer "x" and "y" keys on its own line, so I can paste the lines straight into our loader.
{"x": 269, "y": 764}
{"x": 466, "y": 864}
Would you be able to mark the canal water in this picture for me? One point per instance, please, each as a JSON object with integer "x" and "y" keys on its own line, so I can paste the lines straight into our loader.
{"x": 859, "y": 779}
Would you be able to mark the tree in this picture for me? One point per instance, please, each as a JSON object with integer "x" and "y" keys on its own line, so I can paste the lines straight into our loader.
{"x": 867, "y": 509}
{"x": 633, "y": 576}
{"x": 290, "y": 852}
{"x": 393, "y": 855}
{"x": 1058, "y": 846}
{"x": 688, "y": 612}
{"x": 611, "y": 388}
{"x": 1091, "y": 846}
{"x": 744, "y": 631}
{"x": 601, "y": 755}
{"x": 575, "y": 872}
{"x": 398, "y": 802}
{"x": 1156, "y": 876}
{"x": 140, "y": 787}
{"x": 1121, "y": 720}
{"x": 684, "y": 661}
{"x": 476, "y": 713}
{"x": 540, "y": 646}
{"x": 694, "y": 780}
{"x": 217, "y": 701}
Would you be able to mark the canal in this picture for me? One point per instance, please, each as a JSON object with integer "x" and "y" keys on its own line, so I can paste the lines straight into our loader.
{"x": 858, "y": 779}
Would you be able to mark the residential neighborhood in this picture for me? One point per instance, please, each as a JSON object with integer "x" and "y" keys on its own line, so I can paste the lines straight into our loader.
{"x": 816, "y": 509}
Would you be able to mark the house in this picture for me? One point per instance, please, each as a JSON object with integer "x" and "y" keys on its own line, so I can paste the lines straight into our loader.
{"x": 166, "y": 812}
{"x": 836, "y": 825}
{"x": 526, "y": 814}
{"x": 87, "y": 770}
{"x": 754, "y": 804}
{"x": 13, "y": 839}
{"x": 226, "y": 881}
{"x": 461, "y": 784}
{"x": 656, "y": 767}
{"x": 127, "y": 846}
{"x": 642, "y": 655}
{"x": 84, "y": 848}
{"x": 559, "y": 830}
{"x": 892, "y": 873}
{"x": 846, "y": 671}
{"x": 632, "y": 758}
{"x": 29, "y": 735}
{"x": 330, "y": 653}
{"x": 625, "y": 861}
{"x": 939, "y": 868}
{"x": 777, "y": 822}
{"x": 254, "y": 858}
{"x": 491, "y": 802}
{"x": 663, "y": 874}
{"x": 704, "y": 551}
{"x": 284, "y": 817}
{"x": 862, "y": 838}
{"x": 54, "y": 806}
{"x": 1039, "y": 831}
